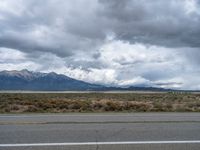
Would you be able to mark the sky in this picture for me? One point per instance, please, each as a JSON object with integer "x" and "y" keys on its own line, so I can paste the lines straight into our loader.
{"x": 110, "y": 42}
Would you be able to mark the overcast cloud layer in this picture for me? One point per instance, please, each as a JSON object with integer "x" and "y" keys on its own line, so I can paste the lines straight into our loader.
{"x": 110, "y": 42}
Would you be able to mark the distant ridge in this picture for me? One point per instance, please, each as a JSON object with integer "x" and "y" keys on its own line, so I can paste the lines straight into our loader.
{"x": 37, "y": 81}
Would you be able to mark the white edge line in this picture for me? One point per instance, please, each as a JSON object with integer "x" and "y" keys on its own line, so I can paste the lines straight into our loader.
{"x": 100, "y": 143}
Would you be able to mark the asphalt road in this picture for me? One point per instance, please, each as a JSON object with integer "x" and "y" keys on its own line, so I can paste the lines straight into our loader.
{"x": 139, "y": 131}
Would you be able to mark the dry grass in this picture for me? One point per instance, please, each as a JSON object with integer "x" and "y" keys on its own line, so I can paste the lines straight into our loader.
{"x": 99, "y": 102}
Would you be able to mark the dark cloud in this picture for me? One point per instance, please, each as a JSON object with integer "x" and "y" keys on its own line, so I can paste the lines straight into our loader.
{"x": 169, "y": 83}
{"x": 61, "y": 26}
{"x": 159, "y": 22}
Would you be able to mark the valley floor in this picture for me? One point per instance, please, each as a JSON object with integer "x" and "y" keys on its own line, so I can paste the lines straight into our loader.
{"x": 99, "y": 102}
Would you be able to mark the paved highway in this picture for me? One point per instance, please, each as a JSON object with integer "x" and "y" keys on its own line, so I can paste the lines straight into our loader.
{"x": 139, "y": 131}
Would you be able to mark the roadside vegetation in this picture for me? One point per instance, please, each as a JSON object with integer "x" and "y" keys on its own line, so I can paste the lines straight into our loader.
{"x": 98, "y": 102}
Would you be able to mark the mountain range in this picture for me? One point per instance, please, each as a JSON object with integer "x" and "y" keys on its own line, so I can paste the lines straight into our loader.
{"x": 37, "y": 81}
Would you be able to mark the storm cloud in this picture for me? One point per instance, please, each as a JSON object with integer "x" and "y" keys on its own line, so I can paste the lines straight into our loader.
{"x": 110, "y": 42}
